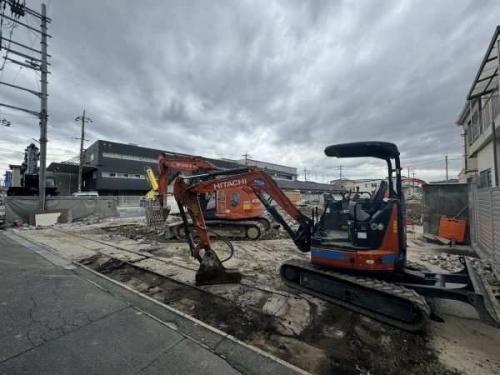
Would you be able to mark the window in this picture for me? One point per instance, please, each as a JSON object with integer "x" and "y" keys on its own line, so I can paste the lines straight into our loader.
{"x": 469, "y": 133}
{"x": 494, "y": 105}
{"x": 112, "y": 155}
{"x": 92, "y": 156}
{"x": 486, "y": 114}
{"x": 485, "y": 178}
{"x": 235, "y": 198}
{"x": 123, "y": 175}
{"x": 475, "y": 126}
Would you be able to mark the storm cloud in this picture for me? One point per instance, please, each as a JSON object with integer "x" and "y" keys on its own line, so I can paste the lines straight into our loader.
{"x": 277, "y": 79}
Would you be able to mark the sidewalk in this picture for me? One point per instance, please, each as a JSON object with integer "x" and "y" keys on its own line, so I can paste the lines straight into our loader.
{"x": 61, "y": 321}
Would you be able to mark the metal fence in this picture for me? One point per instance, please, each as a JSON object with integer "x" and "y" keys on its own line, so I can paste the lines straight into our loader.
{"x": 448, "y": 199}
{"x": 485, "y": 224}
{"x": 24, "y": 207}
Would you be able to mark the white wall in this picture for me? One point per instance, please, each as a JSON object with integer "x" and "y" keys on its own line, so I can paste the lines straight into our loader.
{"x": 485, "y": 159}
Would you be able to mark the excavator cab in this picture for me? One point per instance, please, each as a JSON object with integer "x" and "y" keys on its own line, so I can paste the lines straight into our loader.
{"x": 373, "y": 237}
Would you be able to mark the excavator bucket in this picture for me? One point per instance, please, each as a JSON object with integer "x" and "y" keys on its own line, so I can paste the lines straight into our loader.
{"x": 212, "y": 271}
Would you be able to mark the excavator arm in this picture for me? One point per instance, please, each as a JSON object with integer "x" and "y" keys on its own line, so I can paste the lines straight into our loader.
{"x": 187, "y": 191}
{"x": 177, "y": 165}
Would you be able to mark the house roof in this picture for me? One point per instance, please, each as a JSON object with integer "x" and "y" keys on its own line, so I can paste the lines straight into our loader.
{"x": 484, "y": 82}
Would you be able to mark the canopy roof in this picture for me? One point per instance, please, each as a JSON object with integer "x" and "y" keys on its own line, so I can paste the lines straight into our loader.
{"x": 381, "y": 150}
{"x": 485, "y": 81}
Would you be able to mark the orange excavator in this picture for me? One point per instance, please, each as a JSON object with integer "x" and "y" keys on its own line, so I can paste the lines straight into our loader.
{"x": 362, "y": 267}
{"x": 232, "y": 211}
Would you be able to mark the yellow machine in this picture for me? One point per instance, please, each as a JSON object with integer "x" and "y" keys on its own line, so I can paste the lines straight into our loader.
{"x": 153, "y": 183}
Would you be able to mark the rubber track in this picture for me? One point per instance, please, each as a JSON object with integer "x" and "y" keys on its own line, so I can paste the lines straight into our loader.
{"x": 367, "y": 282}
{"x": 236, "y": 224}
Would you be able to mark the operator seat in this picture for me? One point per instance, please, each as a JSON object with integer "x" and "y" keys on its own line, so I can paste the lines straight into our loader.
{"x": 356, "y": 210}
{"x": 377, "y": 198}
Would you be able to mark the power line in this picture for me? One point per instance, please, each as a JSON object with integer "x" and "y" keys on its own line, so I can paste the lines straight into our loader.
{"x": 35, "y": 60}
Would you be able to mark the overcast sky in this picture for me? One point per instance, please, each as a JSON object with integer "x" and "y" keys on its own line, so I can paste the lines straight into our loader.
{"x": 277, "y": 79}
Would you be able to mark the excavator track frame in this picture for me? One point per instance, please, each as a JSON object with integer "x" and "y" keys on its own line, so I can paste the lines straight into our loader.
{"x": 378, "y": 299}
{"x": 245, "y": 226}
{"x": 414, "y": 287}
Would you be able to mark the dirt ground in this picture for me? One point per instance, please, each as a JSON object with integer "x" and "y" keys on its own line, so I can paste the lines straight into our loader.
{"x": 320, "y": 337}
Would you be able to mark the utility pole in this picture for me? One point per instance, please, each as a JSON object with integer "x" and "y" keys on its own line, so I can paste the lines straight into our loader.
{"x": 43, "y": 112}
{"x": 412, "y": 183}
{"x": 246, "y": 157}
{"x": 446, "y": 164}
{"x": 83, "y": 119}
{"x": 340, "y": 172}
{"x": 34, "y": 59}
{"x": 305, "y": 174}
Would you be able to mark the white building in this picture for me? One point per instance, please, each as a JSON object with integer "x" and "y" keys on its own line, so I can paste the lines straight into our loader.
{"x": 481, "y": 111}
{"x": 368, "y": 185}
{"x": 344, "y": 183}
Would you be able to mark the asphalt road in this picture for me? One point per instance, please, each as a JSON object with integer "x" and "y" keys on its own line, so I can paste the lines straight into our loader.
{"x": 54, "y": 321}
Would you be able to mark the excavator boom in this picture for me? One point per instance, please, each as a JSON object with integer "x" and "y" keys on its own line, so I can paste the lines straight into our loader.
{"x": 253, "y": 180}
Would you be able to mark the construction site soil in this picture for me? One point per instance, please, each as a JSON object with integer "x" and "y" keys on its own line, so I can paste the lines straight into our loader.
{"x": 317, "y": 336}
{"x": 335, "y": 341}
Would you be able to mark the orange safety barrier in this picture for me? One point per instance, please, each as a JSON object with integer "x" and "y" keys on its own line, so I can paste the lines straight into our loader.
{"x": 452, "y": 229}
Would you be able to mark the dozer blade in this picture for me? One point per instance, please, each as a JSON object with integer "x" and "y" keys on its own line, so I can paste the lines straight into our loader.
{"x": 212, "y": 271}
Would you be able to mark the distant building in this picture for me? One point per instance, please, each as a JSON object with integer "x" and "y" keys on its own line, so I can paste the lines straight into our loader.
{"x": 412, "y": 187}
{"x": 113, "y": 168}
{"x": 15, "y": 173}
{"x": 65, "y": 176}
{"x": 7, "y": 179}
{"x": 479, "y": 114}
{"x": 344, "y": 184}
{"x": 366, "y": 185}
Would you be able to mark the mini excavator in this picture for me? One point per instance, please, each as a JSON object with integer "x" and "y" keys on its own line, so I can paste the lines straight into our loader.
{"x": 231, "y": 210}
{"x": 362, "y": 268}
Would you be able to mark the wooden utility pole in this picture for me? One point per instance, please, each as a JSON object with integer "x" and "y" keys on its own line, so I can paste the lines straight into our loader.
{"x": 83, "y": 120}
